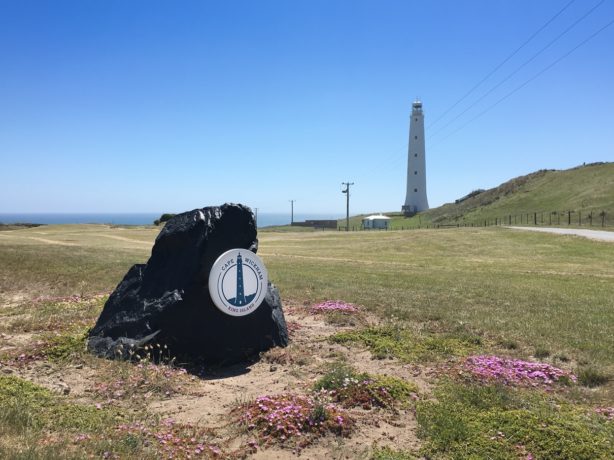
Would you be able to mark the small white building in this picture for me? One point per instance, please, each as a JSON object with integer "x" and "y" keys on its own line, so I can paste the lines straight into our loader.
{"x": 376, "y": 222}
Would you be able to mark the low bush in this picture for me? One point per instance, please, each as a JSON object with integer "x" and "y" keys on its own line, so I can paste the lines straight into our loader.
{"x": 591, "y": 377}
{"x": 352, "y": 389}
{"x": 293, "y": 418}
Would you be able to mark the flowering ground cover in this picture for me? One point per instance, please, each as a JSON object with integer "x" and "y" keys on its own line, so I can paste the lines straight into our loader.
{"x": 546, "y": 296}
{"x": 352, "y": 389}
{"x": 515, "y": 371}
{"x": 293, "y": 417}
{"x": 334, "y": 306}
{"x": 173, "y": 440}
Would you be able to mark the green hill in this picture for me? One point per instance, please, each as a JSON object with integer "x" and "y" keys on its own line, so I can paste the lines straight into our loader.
{"x": 552, "y": 197}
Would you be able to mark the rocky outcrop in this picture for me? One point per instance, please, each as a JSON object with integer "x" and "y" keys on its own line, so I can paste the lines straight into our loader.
{"x": 166, "y": 301}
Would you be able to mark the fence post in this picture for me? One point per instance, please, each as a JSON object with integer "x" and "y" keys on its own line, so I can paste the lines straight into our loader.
{"x": 534, "y": 218}
{"x": 580, "y": 218}
{"x": 568, "y": 217}
{"x": 590, "y": 218}
{"x": 603, "y": 218}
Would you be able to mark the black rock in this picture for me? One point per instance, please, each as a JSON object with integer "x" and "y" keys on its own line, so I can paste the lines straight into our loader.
{"x": 166, "y": 301}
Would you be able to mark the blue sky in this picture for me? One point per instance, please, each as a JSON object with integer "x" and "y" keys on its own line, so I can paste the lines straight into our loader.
{"x": 147, "y": 106}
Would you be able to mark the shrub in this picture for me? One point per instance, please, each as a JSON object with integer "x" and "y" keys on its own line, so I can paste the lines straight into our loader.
{"x": 350, "y": 389}
{"x": 541, "y": 353}
{"x": 289, "y": 416}
{"x": 591, "y": 377}
{"x": 164, "y": 218}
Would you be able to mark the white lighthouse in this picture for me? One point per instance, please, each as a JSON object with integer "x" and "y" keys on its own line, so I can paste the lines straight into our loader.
{"x": 415, "y": 199}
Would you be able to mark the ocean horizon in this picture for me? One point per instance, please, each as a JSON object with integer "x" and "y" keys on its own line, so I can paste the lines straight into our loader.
{"x": 144, "y": 218}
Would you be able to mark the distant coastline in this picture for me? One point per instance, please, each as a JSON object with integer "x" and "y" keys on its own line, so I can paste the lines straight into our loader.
{"x": 264, "y": 219}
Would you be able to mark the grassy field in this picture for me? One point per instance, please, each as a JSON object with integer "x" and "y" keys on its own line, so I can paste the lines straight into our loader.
{"x": 434, "y": 296}
{"x": 582, "y": 190}
{"x": 539, "y": 290}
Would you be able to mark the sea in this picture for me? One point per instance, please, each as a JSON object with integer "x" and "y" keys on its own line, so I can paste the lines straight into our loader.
{"x": 264, "y": 219}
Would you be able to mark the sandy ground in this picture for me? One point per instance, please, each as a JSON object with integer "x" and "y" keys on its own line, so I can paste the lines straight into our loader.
{"x": 208, "y": 400}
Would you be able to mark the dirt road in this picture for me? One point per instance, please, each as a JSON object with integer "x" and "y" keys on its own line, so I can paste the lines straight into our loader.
{"x": 592, "y": 234}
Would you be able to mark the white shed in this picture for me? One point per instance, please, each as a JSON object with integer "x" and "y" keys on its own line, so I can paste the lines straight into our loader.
{"x": 376, "y": 222}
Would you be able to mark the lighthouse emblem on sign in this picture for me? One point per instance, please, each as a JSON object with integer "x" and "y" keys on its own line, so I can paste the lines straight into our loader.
{"x": 238, "y": 282}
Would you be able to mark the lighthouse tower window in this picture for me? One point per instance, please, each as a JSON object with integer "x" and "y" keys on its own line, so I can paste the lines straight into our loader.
{"x": 415, "y": 172}
{"x": 416, "y": 155}
{"x": 415, "y": 190}
{"x": 415, "y": 137}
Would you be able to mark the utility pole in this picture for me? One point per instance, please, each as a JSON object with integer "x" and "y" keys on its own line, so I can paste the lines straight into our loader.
{"x": 347, "y": 204}
{"x": 291, "y": 211}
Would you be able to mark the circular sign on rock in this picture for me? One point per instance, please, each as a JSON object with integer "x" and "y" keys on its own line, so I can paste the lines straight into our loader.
{"x": 238, "y": 282}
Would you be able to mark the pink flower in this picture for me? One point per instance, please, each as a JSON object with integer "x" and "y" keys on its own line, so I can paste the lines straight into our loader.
{"x": 515, "y": 372}
{"x": 332, "y": 305}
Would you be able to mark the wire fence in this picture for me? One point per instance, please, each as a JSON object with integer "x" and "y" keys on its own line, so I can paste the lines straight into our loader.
{"x": 570, "y": 218}
{"x": 601, "y": 218}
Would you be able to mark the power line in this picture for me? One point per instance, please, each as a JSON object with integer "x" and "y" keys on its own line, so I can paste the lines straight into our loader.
{"x": 395, "y": 159}
{"x": 526, "y": 42}
{"x": 525, "y": 83}
{"x": 546, "y": 24}
{"x": 531, "y": 59}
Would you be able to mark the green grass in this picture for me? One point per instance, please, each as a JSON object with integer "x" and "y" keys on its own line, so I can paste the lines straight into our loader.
{"x": 39, "y": 408}
{"x": 543, "y": 291}
{"x": 547, "y": 291}
{"x": 63, "y": 347}
{"x": 38, "y": 424}
{"x": 431, "y": 294}
{"x": 407, "y": 345}
{"x": 471, "y": 421}
{"x": 583, "y": 190}
{"x": 50, "y": 315}
{"x": 60, "y": 260}
{"x": 588, "y": 188}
